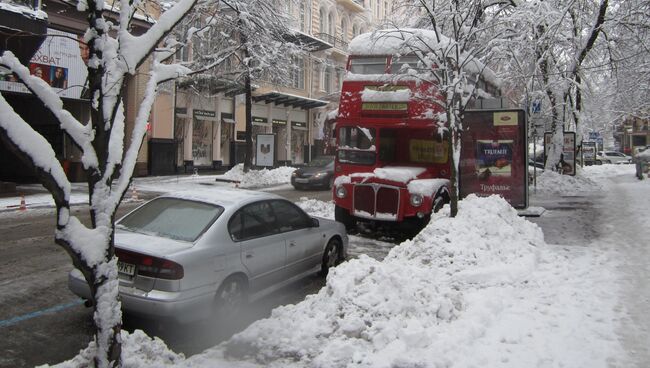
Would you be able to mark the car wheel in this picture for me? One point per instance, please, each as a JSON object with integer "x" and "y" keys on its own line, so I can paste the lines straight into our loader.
{"x": 231, "y": 297}
{"x": 331, "y": 257}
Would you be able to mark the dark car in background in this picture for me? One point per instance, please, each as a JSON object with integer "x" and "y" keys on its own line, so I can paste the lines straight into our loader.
{"x": 319, "y": 173}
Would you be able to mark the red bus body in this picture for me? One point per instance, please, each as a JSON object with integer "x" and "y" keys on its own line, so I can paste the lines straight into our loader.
{"x": 393, "y": 164}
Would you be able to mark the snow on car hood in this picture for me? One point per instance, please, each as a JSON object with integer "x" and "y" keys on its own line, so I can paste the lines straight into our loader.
{"x": 149, "y": 244}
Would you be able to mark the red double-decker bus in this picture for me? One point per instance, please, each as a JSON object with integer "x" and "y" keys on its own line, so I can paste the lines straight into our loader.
{"x": 393, "y": 160}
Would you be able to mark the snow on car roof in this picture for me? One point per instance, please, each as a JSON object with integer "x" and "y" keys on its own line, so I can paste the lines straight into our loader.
{"x": 225, "y": 197}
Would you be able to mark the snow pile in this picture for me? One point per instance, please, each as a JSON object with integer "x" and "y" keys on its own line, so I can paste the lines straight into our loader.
{"x": 603, "y": 173}
{"x": 314, "y": 207}
{"x": 402, "y": 311}
{"x": 259, "y": 178}
{"x": 551, "y": 182}
{"x": 138, "y": 350}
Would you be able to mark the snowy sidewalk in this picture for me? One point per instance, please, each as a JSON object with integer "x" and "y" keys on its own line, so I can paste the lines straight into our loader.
{"x": 35, "y": 196}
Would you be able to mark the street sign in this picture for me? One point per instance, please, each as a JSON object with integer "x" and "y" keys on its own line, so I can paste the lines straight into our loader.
{"x": 536, "y": 107}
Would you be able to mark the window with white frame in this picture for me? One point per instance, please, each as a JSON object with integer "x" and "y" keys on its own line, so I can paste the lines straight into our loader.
{"x": 298, "y": 73}
{"x": 327, "y": 79}
{"x": 331, "y": 25}
{"x": 302, "y": 16}
{"x": 322, "y": 20}
{"x": 344, "y": 30}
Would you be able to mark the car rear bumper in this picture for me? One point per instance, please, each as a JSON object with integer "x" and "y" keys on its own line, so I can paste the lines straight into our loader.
{"x": 176, "y": 306}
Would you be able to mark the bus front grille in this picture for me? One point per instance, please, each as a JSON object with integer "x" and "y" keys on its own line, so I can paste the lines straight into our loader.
{"x": 376, "y": 202}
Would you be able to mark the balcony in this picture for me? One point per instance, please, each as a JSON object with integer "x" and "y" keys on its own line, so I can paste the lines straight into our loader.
{"x": 333, "y": 40}
{"x": 352, "y": 5}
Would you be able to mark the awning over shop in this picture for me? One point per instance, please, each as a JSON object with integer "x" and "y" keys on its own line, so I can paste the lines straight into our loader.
{"x": 294, "y": 101}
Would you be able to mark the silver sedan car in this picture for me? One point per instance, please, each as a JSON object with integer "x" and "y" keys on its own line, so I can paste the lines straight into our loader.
{"x": 187, "y": 256}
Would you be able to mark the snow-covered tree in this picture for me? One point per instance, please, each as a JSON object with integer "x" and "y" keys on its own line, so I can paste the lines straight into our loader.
{"x": 115, "y": 54}
{"x": 452, "y": 59}
{"x": 547, "y": 50}
{"x": 253, "y": 42}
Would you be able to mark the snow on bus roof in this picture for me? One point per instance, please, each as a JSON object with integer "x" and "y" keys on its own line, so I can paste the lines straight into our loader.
{"x": 391, "y": 41}
{"x": 410, "y": 40}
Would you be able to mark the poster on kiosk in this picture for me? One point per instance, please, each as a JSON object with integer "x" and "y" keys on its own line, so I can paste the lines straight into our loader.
{"x": 494, "y": 155}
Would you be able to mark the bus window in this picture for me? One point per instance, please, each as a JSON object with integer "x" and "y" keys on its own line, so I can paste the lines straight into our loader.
{"x": 387, "y": 145}
{"x": 368, "y": 65}
{"x": 356, "y": 145}
{"x": 397, "y": 64}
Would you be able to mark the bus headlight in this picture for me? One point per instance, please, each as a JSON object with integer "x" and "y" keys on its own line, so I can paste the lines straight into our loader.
{"x": 416, "y": 200}
{"x": 341, "y": 192}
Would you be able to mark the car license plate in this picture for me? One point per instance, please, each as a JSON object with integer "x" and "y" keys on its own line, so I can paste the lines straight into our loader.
{"x": 126, "y": 268}
{"x": 299, "y": 180}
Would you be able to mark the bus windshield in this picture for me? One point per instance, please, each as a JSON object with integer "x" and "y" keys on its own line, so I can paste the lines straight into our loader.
{"x": 357, "y": 145}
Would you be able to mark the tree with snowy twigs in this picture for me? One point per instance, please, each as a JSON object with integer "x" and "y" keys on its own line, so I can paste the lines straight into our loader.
{"x": 450, "y": 54}
{"x": 115, "y": 54}
{"x": 253, "y": 42}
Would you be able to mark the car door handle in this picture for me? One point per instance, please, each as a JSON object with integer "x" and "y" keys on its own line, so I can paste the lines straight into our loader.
{"x": 249, "y": 255}
{"x": 292, "y": 244}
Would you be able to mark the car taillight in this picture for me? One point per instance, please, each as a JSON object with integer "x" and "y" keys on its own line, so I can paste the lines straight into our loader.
{"x": 151, "y": 266}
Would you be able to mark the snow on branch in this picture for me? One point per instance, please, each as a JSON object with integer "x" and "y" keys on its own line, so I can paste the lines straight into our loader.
{"x": 135, "y": 49}
{"x": 33, "y": 145}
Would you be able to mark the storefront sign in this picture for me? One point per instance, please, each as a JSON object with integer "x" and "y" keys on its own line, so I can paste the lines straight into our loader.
{"x": 60, "y": 62}
{"x": 181, "y": 111}
{"x": 279, "y": 122}
{"x": 265, "y": 150}
{"x": 260, "y": 121}
{"x": 205, "y": 114}
{"x": 568, "y": 155}
{"x": 494, "y": 158}
{"x": 298, "y": 125}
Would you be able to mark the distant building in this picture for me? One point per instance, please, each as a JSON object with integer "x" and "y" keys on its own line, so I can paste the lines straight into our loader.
{"x": 631, "y": 134}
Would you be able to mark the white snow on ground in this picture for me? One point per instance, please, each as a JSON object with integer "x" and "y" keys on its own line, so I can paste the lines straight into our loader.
{"x": 259, "y": 178}
{"x": 550, "y": 182}
{"x": 254, "y": 179}
{"x": 480, "y": 290}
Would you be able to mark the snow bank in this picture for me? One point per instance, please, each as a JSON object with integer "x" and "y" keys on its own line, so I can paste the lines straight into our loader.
{"x": 259, "y": 178}
{"x": 138, "y": 350}
{"x": 397, "y": 312}
{"x": 550, "y": 182}
{"x": 315, "y": 207}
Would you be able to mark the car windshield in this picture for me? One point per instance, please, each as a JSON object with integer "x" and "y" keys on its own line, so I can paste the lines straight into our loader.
{"x": 173, "y": 218}
{"x": 321, "y": 161}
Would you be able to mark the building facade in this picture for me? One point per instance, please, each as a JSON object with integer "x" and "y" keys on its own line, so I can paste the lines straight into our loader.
{"x": 207, "y": 128}
{"x": 60, "y": 61}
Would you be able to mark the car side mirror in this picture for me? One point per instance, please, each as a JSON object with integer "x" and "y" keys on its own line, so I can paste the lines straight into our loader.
{"x": 315, "y": 222}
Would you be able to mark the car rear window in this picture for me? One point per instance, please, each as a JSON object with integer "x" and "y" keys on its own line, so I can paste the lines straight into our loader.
{"x": 173, "y": 218}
